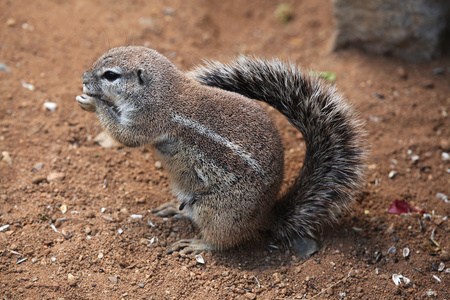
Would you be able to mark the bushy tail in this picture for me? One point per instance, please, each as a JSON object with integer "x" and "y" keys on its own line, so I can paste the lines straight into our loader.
{"x": 332, "y": 172}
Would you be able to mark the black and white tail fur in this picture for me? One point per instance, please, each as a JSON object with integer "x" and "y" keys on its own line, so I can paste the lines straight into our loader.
{"x": 334, "y": 163}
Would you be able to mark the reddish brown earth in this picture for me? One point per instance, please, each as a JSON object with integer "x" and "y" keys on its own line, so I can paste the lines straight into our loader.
{"x": 49, "y": 44}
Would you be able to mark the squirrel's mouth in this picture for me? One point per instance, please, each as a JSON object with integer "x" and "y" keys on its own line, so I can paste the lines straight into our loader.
{"x": 102, "y": 99}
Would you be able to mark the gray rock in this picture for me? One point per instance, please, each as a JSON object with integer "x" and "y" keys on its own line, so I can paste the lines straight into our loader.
{"x": 414, "y": 30}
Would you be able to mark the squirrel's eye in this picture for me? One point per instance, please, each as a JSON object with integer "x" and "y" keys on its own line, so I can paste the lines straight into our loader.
{"x": 110, "y": 76}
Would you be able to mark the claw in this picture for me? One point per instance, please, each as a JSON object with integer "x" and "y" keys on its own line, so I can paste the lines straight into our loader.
{"x": 169, "y": 209}
{"x": 191, "y": 246}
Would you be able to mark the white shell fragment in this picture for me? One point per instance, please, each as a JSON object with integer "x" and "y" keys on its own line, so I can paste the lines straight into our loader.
{"x": 443, "y": 197}
{"x": 406, "y": 252}
{"x": 200, "y": 259}
{"x": 445, "y": 156}
{"x": 63, "y": 208}
{"x": 54, "y": 228}
{"x": 51, "y": 106}
{"x": 120, "y": 231}
{"x": 392, "y": 174}
{"x": 391, "y": 250}
{"x": 441, "y": 267}
{"x": 437, "y": 278}
{"x": 136, "y": 216}
{"x": 28, "y": 86}
{"x": 397, "y": 278}
{"x": 4, "y": 227}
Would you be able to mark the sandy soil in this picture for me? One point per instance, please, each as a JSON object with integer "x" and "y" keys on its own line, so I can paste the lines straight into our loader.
{"x": 66, "y": 204}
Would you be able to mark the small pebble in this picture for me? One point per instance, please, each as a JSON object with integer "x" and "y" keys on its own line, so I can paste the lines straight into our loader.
{"x": 120, "y": 231}
{"x": 11, "y": 22}
{"x": 51, "y": 106}
{"x": 87, "y": 230}
{"x": 278, "y": 277}
{"x": 63, "y": 208}
{"x": 37, "y": 167}
{"x": 100, "y": 255}
{"x": 113, "y": 279}
{"x": 136, "y": 216}
{"x": 379, "y": 96}
{"x": 141, "y": 285}
{"x": 445, "y": 156}
{"x": 72, "y": 280}
{"x": 4, "y": 67}
{"x": 6, "y": 158}
{"x": 402, "y": 73}
{"x": 392, "y": 174}
{"x": 444, "y": 256}
{"x": 438, "y": 71}
{"x": 158, "y": 165}
{"x": 55, "y": 176}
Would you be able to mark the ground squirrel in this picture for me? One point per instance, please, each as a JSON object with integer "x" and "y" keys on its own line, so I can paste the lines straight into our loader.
{"x": 221, "y": 149}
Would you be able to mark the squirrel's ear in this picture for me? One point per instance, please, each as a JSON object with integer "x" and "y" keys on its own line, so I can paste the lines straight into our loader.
{"x": 142, "y": 76}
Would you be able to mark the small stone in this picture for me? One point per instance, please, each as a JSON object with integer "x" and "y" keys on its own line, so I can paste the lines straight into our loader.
{"x": 444, "y": 256}
{"x": 51, "y": 106}
{"x": 87, "y": 230}
{"x": 392, "y": 174}
{"x": 38, "y": 179}
{"x": 113, "y": 279}
{"x": 72, "y": 280}
{"x": 445, "y": 156}
{"x": 277, "y": 277}
{"x": 63, "y": 208}
{"x": 225, "y": 273}
{"x": 428, "y": 84}
{"x": 6, "y": 158}
{"x": 55, "y": 176}
{"x": 11, "y": 22}
{"x": 100, "y": 255}
{"x": 106, "y": 141}
{"x": 438, "y": 71}
{"x": 141, "y": 285}
{"x": 13, "y": 247}
{"x": 37, "y": 167}
{"x": 250, "y": 296}
{"x": 402, "y": 73}
{"x": 352, "y": 273}
{"x": 158, "y": 165}
{"x": 445, "y": 145}
{"x": 143, "y": 241}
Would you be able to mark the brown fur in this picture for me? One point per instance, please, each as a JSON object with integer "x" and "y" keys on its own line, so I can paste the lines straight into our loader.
{"x": 222, "y": 151}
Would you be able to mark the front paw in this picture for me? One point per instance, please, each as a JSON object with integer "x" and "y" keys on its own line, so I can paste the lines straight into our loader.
{"x": 87, "y": 103}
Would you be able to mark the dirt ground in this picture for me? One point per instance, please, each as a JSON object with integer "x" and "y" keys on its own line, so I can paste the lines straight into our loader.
{"x": 67, "y": 204}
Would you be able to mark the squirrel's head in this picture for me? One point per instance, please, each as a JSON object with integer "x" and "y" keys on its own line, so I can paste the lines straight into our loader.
{"x": 130, "y": 76}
